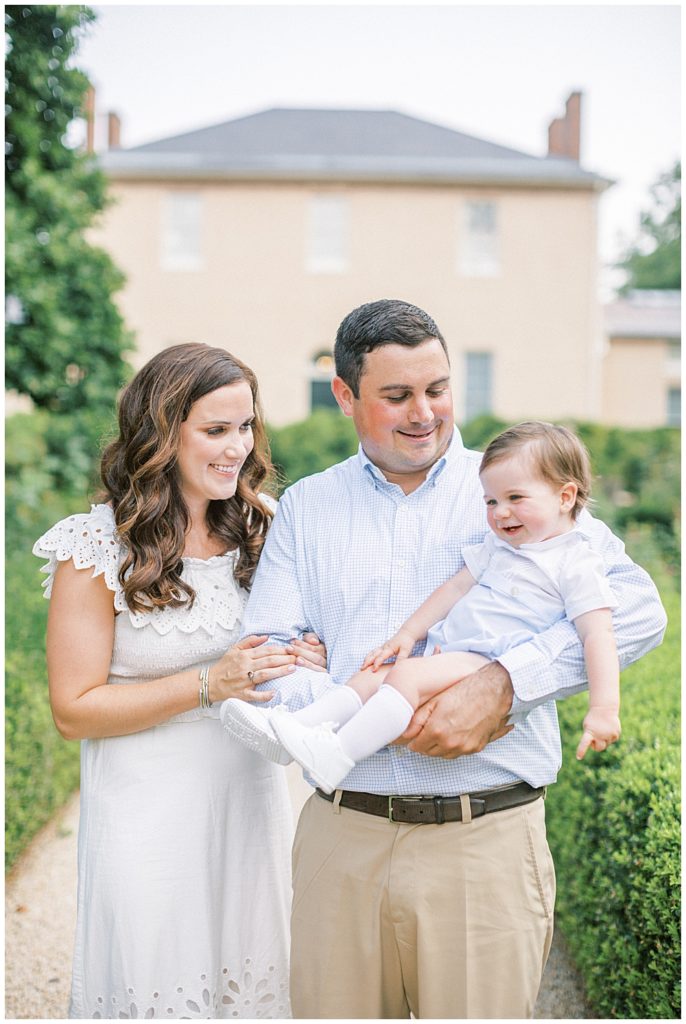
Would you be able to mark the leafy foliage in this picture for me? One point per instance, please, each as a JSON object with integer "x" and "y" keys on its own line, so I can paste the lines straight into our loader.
{"x": 51, "y": 468}
{"x": 51, "y": 458}
{"x": 654, "y": 259}
{"x": 312, "y": 445}
{"x": 637, "y": 481}
{"x": 614, "y": 828}
{"x": 41, "y": 769}
{"x": 480, "y": 431}
{"x": 65, "y": 339}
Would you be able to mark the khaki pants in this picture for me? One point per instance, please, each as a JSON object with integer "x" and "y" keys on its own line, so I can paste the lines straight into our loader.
{"x": 437, "y": 921}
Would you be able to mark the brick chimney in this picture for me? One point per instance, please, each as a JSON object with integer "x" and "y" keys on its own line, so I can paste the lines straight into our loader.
{"x": 564, "y": 133}
{"x": 113, "y": 131}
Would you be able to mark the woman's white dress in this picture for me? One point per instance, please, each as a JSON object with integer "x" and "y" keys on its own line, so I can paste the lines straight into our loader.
{"x": 184, "y": 836}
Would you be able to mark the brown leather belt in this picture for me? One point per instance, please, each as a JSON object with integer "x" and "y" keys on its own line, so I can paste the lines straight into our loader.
{"x": 436, "y": 810}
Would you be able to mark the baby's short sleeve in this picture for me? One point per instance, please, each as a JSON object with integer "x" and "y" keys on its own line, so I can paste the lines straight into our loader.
{"x": 583, "y": 582}
{"x": 89, "y": 540}
{"x": 477, "y": 556}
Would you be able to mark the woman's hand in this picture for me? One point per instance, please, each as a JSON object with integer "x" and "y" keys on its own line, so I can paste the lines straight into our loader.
{"x": 245, "y": 665}
{"x": 310, "y": 652}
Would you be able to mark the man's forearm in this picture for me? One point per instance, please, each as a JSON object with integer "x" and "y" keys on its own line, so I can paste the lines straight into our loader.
{"x": 548, "y": 669}
{"x": 298, "y": 689}
{"x": 466, "y": 717}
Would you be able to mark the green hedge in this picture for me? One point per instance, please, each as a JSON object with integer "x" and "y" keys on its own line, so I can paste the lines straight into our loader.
{"x": 41, "y": 769}
{"x": 49, "y": 473}
{"x": 311, "y": 445}
{"x": 614, "y": 829}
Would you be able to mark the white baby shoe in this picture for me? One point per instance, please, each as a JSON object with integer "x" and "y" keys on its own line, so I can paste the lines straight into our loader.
{"x": 252, "y": 726}
{"x": 316, "y": 748}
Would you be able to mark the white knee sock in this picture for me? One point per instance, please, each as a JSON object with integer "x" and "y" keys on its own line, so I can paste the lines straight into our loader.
{"x": 383, "y": 718}
{"x": 336, "y": 705}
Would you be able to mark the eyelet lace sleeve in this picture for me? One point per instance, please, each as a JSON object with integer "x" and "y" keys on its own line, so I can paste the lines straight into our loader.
{"x": 89, "y": 540}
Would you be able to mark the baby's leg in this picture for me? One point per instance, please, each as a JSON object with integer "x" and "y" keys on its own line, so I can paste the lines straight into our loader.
{"x": 367, "y": 682}
{"x": 386, "y": 702}
{"x": 417, "y": 679}
{"x": 340, "y": 703}
{"x": 407, "y": 684}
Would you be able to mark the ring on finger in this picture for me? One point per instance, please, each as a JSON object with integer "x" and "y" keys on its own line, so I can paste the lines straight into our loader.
{"x": 251, "y": 677}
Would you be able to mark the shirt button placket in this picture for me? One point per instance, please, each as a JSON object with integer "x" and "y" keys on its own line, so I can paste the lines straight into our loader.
{"x": 400, "y": 566}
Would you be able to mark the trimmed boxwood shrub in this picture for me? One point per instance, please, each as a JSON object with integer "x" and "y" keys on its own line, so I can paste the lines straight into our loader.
{"x": 49, "y": 473}
{"x": 614, "y": 829}
{"x": 41, "y": 769}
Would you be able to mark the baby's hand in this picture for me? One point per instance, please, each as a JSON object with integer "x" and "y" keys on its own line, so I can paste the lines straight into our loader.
{"x": 601, "y": 728}
{"x": 399, "y": 646}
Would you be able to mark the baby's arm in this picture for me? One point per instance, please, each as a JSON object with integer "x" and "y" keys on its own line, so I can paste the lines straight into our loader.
{"x": 601, "y": 724}
{"x": 435, "y": 608}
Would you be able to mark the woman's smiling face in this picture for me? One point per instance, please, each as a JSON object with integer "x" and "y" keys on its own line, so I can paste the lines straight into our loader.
{"x": 214, "y": 442}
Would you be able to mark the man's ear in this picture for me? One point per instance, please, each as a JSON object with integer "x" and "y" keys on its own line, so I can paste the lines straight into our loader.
{"x": 343, "y": 395}
{"x": 568, "y": 495}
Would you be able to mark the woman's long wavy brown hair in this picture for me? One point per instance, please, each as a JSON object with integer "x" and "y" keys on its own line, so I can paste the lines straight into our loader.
{"x": 141, "y": 479}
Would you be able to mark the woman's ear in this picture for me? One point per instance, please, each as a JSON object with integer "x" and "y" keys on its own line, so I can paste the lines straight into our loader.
{"x": 343, "y": 395}
{"x": 568, "y": 495}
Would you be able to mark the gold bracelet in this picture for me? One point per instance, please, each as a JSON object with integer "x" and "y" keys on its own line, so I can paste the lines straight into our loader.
{"x": 204, "y": 692}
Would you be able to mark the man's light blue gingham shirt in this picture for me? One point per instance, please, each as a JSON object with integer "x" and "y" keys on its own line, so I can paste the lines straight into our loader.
{"x": 350, "y": 556}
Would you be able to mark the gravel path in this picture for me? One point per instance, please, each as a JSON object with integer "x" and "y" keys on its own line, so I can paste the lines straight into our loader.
{"x": 40, "y": 916}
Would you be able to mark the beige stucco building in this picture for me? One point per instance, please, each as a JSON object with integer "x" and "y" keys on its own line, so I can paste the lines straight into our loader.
{"x": 261, "y": 233}
{"x": 642, "y": 364}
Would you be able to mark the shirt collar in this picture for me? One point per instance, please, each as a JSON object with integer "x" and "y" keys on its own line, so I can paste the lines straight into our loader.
{"x": 545, "y": 545}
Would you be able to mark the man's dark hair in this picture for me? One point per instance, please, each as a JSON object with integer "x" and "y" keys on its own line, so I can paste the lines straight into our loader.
{"x": 386, "y": 322}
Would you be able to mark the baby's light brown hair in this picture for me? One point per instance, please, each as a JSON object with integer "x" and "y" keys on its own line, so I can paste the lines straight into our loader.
{"x": 557, "y": 455}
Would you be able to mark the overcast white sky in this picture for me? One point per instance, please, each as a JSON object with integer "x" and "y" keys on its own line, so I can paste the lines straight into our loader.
{"x": 501, "y": 72}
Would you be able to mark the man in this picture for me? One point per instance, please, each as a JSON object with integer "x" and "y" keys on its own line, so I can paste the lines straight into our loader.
{"x": 440, "y": 907}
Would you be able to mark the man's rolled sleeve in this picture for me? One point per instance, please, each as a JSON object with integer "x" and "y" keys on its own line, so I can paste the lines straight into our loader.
{"x": 534, "y": 667}
{"x": 297, "y": 689}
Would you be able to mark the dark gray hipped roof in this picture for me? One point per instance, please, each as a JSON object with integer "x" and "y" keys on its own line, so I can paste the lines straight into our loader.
{"x": 352, "y": 145}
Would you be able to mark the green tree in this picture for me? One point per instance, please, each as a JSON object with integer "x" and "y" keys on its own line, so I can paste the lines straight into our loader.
{"x": 654, "y": 259}
{"x": 65, "y": 339}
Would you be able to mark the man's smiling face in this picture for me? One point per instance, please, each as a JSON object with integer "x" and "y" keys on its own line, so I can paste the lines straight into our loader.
{"x": 404, "y": 413}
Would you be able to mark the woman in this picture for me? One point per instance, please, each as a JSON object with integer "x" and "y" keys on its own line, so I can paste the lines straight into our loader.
{"x": 184, "y": 838}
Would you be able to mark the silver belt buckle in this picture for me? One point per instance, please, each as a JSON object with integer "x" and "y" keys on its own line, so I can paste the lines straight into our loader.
{"x": 390, "y": 806}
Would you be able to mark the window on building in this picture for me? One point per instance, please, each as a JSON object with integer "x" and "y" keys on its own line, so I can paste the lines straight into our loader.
{"x": 674, "y": 358}
{"x": 478, "y": 378}
{"x": 180, "y": 236}
{"x": 327, "y": 234}
{"x": 478, "y": 252}
{"x": 674, "y": 407}
{"x": 322, "y": 369}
